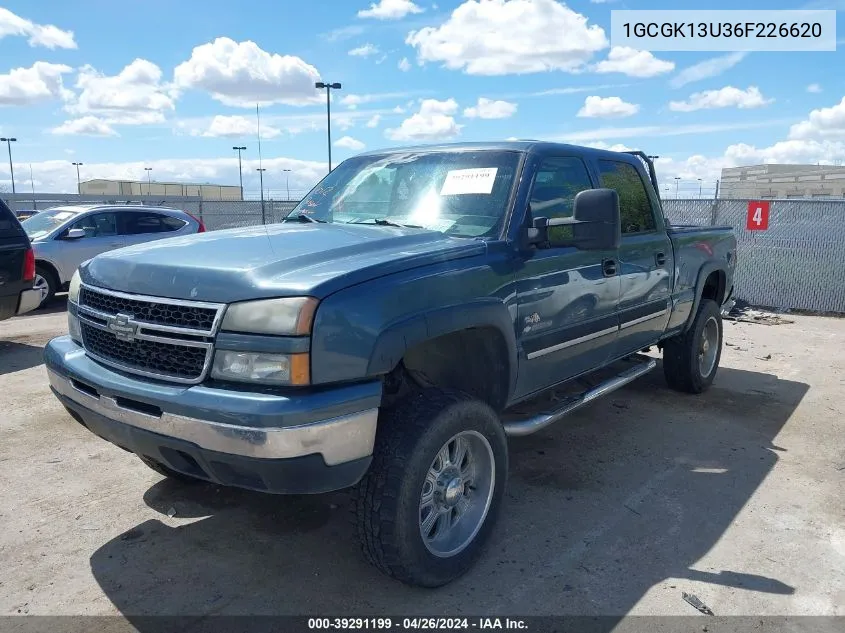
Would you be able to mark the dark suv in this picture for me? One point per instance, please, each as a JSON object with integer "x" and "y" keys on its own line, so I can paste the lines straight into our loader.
{"x": 17, "y": 267}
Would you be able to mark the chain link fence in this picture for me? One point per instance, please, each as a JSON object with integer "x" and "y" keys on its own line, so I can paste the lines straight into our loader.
{"x": 796, "y": 263}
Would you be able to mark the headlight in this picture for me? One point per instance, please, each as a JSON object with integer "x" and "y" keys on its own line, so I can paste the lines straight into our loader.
{"x": 265, "y": 369}
{"x": 73, "y": 327}
{"x": 73, "y": 290}
{"x": 290, "y": 316}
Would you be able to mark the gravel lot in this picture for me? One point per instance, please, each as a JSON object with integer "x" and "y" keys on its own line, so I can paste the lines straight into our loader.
{"x": 735, "y": 496}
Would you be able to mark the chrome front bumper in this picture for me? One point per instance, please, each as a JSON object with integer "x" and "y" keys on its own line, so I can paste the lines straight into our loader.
{"x": 338, "y": 440}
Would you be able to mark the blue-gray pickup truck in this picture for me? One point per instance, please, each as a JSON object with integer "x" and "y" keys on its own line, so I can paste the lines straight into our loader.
{"x": 385, "y": 334}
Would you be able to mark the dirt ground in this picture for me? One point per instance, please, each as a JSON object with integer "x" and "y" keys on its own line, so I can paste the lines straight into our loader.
{"x": 735, "y": 496}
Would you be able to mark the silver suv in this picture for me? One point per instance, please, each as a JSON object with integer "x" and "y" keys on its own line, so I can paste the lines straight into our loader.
{"x": 64, "y": 237}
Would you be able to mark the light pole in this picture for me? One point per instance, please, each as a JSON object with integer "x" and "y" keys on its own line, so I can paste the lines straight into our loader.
{"x": 287, "y": 181}
{"x": 240, "y": 168}
{"x": 149, "y": 171}
{"x": 329, "y": 88}
{"x": 261, "y": 171}
{"x": 78, "y": 183}
{"x": 677, "y": 182}
{"x": 699, "y": 187}
{"x": 9, "y": 142}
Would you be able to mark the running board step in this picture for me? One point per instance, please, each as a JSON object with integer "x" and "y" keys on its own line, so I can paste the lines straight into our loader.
{"x": 533, "y": 424}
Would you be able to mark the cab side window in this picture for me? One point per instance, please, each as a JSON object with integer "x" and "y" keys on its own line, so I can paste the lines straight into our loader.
{"x": 634, "y": 206}
{"x": 97, "y": 225}
{"x": 556, "y": 183}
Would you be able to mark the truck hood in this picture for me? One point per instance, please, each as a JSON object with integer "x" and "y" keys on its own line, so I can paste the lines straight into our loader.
{"x": 271, "y": 261}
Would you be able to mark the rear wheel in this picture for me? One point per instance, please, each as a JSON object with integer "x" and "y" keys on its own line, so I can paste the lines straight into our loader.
{"x": 429, "y": 502}
{"x": 690, "y": 359}
{"x": 46, "y": 283}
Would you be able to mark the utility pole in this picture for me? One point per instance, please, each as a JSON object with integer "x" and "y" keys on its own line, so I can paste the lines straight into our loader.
{"x": 78, "y": 183}
{"x": 329, "y": 88}
{"x": 9, "y": 142}
{"x": 677, "y": 182}
{"x": 240, "y": 168}
{"x": 149, "y": 171}
{"x": 699, "y": 188}
{"x": 287, "y": 182}
{"x": 261, "y": 171}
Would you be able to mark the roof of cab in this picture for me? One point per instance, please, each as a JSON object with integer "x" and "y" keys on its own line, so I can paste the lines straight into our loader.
{"x": 526, "y": 146}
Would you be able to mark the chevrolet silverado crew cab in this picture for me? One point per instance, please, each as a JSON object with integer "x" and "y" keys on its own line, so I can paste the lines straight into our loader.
{"x": 382, "y": 335}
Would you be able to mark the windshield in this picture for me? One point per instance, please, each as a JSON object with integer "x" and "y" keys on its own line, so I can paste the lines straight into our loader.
{"x": 44, "y": 222}
{"x": 462, "y": 193}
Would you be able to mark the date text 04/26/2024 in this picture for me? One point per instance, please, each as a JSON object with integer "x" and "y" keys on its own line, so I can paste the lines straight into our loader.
{"x": 417, "y": 624}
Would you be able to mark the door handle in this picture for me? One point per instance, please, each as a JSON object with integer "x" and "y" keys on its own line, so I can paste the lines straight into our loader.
{"x": 660, "y": 258}
{"x": 608, "y": 267}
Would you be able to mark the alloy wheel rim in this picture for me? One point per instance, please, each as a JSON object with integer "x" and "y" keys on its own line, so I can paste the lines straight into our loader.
{"x": 456, "y": 494}
{"x": 708, "y": 347}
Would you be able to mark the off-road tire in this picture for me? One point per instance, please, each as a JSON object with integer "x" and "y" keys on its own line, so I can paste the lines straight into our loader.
{"x": 681, "y": 352}
{"x": 168, "y": 472}
{"x": 386, "y": 503}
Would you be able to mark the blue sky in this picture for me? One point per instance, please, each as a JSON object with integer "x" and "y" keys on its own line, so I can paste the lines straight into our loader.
{"x": 173, "y": 85}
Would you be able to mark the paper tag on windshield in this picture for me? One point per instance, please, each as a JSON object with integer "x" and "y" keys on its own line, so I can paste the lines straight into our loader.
{"x": 463, "y": 181}
{"x": 63, "y": 215}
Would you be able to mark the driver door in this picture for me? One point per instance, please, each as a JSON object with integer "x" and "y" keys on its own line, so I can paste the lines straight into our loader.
{"x": 567, "y": 322}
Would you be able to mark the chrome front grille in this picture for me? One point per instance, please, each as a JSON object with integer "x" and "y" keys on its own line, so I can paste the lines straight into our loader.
{"x": 167, "y": 339}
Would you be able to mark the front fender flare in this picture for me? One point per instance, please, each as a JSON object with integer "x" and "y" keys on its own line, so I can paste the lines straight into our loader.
{"x": 404, "y": 334}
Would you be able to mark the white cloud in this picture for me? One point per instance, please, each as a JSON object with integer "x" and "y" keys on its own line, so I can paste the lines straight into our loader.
{"x": 615, "y": 147}
{"x": 434, "y": 121}
{"x": 404, "y": 65}
{"x": 500, "y": 37}
{"x": 242, "y": 74}
{"x": 490, "y": 109}
{"x": 399, "y": 110}
{"x": 352, "y": 101}
{"x": 347, "y": 142}
{"x": 85, "y": 126}
{"x": 59, "y": 176}
{"x": 364, "y": 51}
{"x": 239, "y": 126}
{"x": 648, "y": 131}
{"x": 822, "y": 124}
{"x": 607, "y": 108}
{"x": 727, "y": 97}
{"x": 814, "y": 88}
{"x": 135, "y": 96}
{"x": 708, "y": 68}
{"x": 40, "y": 82}
{"x": 374, "y": 121}
{"x": 45, "y": 35}
{"x": 390, "y": 10}
{"x": 634, "y": 63}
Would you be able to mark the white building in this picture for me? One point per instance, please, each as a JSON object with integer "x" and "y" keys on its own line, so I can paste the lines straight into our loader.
{"x": 783, "y": 181}
{"x": 139, "y": 188}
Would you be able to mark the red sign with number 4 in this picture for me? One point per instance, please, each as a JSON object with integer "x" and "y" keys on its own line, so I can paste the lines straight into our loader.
{"x": 758, "y": 215}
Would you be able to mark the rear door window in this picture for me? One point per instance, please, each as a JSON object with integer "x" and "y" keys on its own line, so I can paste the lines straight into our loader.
{"x": 634, "y": 207}
{"x": 146, "y": 223}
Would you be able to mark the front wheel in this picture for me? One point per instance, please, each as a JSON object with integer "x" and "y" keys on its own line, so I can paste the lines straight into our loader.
{"x": 690, "y": 359}
{"x": 429, "y": 502}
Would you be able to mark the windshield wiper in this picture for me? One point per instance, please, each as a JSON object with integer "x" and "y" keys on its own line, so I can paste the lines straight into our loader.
{"x": 300, "y": 217}
{"x": 384, "y": 222}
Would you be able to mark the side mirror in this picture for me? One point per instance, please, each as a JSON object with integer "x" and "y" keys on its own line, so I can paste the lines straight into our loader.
{"x": 75, "y": 234}
{"x": 595, "y": 223}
